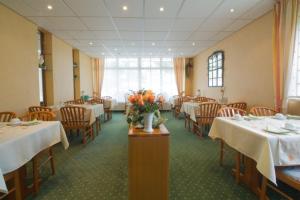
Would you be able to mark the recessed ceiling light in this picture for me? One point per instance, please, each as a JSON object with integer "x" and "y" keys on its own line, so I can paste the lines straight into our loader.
{"x": 181, "y": 53}
{"x": 169, "y": 49}
{"x": 50, "y": 7}
{"x": 153, "y": 43}
{"x": 231, "y": 10}
{"x": 125, "y": 8}
{"x": 193, "y": 43}
{"x": 132, "y": 44}
{"x": 161, "y": 9}
{"x": 91, "y": 43}
{"x": 102, "y": 53}
{"x": 116, "y": 49}
{"x": 150, "y": 54}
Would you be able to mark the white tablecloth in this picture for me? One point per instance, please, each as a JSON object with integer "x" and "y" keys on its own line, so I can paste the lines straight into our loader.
{"x": 20, "y": 144}
{"x": 189, "y": 108}
{"x": 267, "y": 149}
{"x": 92, "y": 111}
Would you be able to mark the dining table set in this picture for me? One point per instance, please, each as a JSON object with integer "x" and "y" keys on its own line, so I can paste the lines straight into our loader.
{"x": 22, "y": 140}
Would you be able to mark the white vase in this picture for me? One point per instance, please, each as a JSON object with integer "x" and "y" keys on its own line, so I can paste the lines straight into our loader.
{"x": 148, "y": 118}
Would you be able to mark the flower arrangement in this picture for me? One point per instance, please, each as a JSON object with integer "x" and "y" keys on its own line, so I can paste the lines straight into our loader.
{"x": 143, "y": 102}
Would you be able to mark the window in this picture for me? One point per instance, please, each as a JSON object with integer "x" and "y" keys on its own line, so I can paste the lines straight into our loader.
{"x": 124, "y": 74}
{"x": 294, "y": 84}
{"x": 41, "y": 71}
{"x": 216, "y": 69}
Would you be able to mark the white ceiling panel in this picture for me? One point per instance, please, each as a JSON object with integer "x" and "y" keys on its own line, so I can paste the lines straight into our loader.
{"x": 202, "y": 35}
{"x": 238, "y": 24}
{"x": 186, "y": 24}
{"x": 98, "y": 23}
{"x": 106, "y": 35}
{"x": 239, "y": 6}
{"x": 131, "y": 35}
{"x": 198, "y": 8}
{"x": 221, "y": 35}
{"x": 129, "y": 24}
{"x": 214, "y": 24}
{"x": 158, "y": 24}
{"x": 134, "y": 8}
{"x": 170, "y": 7}
{"x": 259, "y": 9}
{"x": 87, "y": 7}
{"x": 179, "y": 35}
{"x": 155, "y": 35}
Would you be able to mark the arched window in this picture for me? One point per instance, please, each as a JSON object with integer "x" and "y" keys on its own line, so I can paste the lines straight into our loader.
{"x": 216, "y": 69}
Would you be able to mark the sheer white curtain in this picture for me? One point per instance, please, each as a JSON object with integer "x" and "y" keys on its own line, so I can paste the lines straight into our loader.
{"x": 294, "y": 74}
{"x": 124, "y": 74}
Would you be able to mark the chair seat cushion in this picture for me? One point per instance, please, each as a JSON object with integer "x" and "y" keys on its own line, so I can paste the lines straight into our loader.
{"x": 292, "y": 172}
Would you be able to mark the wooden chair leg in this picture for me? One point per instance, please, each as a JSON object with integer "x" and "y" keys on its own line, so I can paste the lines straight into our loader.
{"x": 52, "y": 161}
{"x": 221, "y": 152}
{"x": 263, "y": 190}
{"x": 35, "y": 175}
{"x": 238, "y": 167}
{"x": 17, "y": 181}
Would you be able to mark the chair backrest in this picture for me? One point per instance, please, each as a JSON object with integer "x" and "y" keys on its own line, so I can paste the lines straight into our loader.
{"x": 7, "y": 116}
{"x": 42, "y": 115}
{"x": 79, "y": 101}
{"x": 262, "y": 111}
{"x": 73, "y": 117}
{"x": 107, "y": 101}
{"x": 200, "y": 99}
{"x": 239, "y": 105}
{"x": 96, "y": 100}
{"x": 206, "y": 112}
{"x": 70, "y": 102}
{"x": 230, "y": 112}
{"x": 39, "y": 108}
{"x": 210, "y": 99}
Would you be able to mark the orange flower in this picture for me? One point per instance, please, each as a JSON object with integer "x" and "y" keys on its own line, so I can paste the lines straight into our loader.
{"x": 132, "y": 99}
{"x": 151, "y": 99}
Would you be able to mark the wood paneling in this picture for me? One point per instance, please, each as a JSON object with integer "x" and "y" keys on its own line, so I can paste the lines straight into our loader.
{"x": 148, "y": 164}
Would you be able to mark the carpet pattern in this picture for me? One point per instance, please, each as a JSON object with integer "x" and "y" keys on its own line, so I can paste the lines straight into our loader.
{"x": 99, "y": 169}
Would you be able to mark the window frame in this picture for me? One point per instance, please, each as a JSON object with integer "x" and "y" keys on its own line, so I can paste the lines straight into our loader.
{"x": 209, "y": 69}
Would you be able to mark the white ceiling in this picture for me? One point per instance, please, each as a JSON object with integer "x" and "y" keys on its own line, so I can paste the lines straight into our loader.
{"x": 142, "y": 30}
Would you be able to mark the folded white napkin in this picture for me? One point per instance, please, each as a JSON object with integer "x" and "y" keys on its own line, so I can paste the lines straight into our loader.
{"x": 3, "y": 187}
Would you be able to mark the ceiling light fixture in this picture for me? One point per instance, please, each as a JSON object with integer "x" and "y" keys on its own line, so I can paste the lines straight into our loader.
{"x": 50, "y": 7}
{"x": 132, "y": 44}
{"x": 231, "y": 10}
{"x": 125, "y": 8}
{"x": 116, "y": 49}
{"x": 161, "y": 9}
{"x": 102, "y": 53}
{"x": 91, "y": 43}
{"x": 153, "y": 43}
{"x": 193, "y": 43}
{"x": 169, "y": 49}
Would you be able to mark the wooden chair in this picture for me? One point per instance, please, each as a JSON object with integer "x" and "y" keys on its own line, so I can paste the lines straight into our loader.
{"x": 39, "y": 108}
{"x": 70, "y": 102}
{"x": 239, "y": 105}
{"x": 12, "y": 180}
{"x": 177, "y": 106}
{"x": 107, "y": 107}
{"x": 7, "y": 116}
{"x": 73, "y": 119}
{"x": 210, "y": 100}
{"x": 205, "y": 114}
{"x": 200, "y": 99}
{"x": 43, "y": 116}
{"x": 228, "y": 112}
{"x": 287, "y": 175}
{"x": 262, "y": 111}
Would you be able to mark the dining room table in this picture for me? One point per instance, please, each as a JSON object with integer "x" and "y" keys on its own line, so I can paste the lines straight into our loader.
{"x": 265, "y": 142}
{"x": 189, "y": 108}
{"x": 20, "y": 143}
{"x": 92, "y": 111}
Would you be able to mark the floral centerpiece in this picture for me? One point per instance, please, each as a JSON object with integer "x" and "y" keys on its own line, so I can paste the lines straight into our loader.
{"x": 144, "y": 110}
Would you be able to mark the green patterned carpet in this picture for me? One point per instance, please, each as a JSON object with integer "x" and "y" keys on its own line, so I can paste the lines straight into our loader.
{"x": 99, "y": 169}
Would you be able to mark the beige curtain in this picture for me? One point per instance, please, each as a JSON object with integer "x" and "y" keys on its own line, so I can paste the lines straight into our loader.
{"x": 285, "y": 20}
{"x": 179, "y": 74}
{"x": 98, "y": 73}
